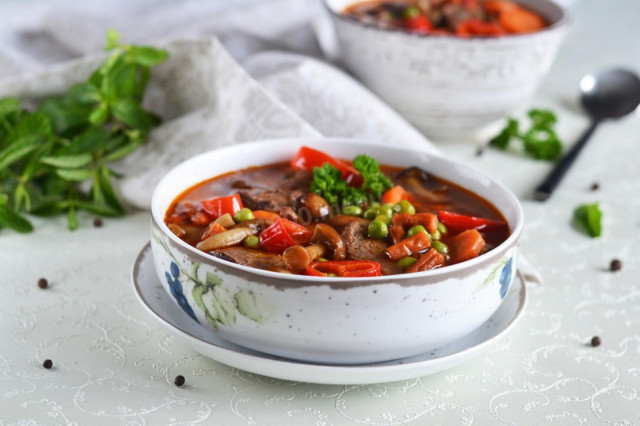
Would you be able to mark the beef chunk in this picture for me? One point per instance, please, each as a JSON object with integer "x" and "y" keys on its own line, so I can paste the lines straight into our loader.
{"x": 359, "y": 246}
{"x": 264, "y": 199}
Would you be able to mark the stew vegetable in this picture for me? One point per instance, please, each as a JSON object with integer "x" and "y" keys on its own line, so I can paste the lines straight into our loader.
{"x": 327, "y": 217}
{"x": 463, "y": 18}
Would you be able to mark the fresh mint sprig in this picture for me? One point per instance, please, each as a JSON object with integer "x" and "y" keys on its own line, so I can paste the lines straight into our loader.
{"x": 46, "y": 154}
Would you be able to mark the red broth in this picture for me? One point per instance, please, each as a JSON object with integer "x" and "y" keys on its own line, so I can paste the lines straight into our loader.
{"x": 275, "y": 191}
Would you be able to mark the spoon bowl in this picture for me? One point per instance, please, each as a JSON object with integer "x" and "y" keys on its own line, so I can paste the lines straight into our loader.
{"x": 612, "y": 93}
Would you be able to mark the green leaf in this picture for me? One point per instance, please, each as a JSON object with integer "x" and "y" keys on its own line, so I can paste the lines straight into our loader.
{"x": 125, "y": 81}
{"x": 68, "y": 161}
{"x": 18, "y": 150}
{"x": 83, "y": 93}
{"x": 501, "y": 141}
{"x": 542, "y": 118}
{"x": 99, "y": 115}
{"x": 88, "y": 142}
{"x": 110, "y": 197}
{"x": 72, "y": 218}
{"x": 123, "y": 151}
{"x": 13, "y": 220}
{"x": 34, "y": 124}
{"x": 8, "y": 106}
{"x": 75, "y": 175}
{"x": 113, "y": 38}
{"x": 100, "y": 210}
{"x": 588, "y": 218}
{"x": 65, "y": 116}
{"x": 132, "y": 114}
{"x": 542, "y": 144}
{"x": 147, "y": 56}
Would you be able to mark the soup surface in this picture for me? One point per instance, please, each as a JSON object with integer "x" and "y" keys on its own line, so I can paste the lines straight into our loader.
{"x": 322, "y": 216}
{"x": 463, "y": 18}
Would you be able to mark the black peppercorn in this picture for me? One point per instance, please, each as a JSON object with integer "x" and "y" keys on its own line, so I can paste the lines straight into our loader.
{"x": 595, "y": 341}
{"x": 43, "y": 283}
{"x": 595, "y": 186}
{"x": 47, "y": 364}
{"x": 179, "y": 381}
{"x": 97, "y": 222}
{"x": 615, "y": 265}
{"x": 479, "y": 151}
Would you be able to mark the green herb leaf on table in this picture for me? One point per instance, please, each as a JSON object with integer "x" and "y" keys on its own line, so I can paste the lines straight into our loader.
{"x": 540, "y": 141}
{"x": 46, "y": 154}
{"x": 588, "y": 217}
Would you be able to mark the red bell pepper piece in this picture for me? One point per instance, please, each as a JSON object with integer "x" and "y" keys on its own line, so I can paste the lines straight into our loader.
{"x": 282, "y": 235}
{"x": 460, "y": 222}
{"x": 216, "y": 207}
{"x": 344, "y": 268}
{"x": 307, "y": 158}
{"x": 418, "y": 23}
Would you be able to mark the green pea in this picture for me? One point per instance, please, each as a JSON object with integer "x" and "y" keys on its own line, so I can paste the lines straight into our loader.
{"x": 383, "y": 218}
{"x": 378, "y": 229}
{"x": 370, "y": 213}
{"x": 321, "y": 259}
{"x": 331, "y": 275}
{"x": 440, "y": 247}
{"x": 415, "y": 229}
{"x": 387, "y": 210}
{"x": 436, "y": 235}
{"x": 406, "y": 262}
{"x": 375, "y": 205}
{"x": 405, "y": 206}
{"x": 352, "y": 211}
{"x": 442, "y": 228}
{"x": 252, "y": 241}
{"x": 243, "y": 215}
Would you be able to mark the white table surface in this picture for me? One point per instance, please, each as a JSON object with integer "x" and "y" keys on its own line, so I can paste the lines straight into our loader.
{"x": 114, "y": 365}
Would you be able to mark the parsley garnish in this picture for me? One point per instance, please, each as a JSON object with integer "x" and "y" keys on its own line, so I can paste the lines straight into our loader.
{"x": 540, "y": 141}
{"x": 46, "y": 154}
{"x": 327, "y": 181}
{"x": 588, "y": 217}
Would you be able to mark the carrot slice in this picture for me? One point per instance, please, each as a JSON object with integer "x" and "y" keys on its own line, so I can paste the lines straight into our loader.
{"x": 466, "y": 245}
{"x": 213, "y": 229}
{"x": 499, "y": 6}
{"x": 271, "y": 216}
{"x": 394, "y": 195}
{"x": 430, "y": 260}
{"x": 428, "y": 220}
{"x": 409, "y": 246}
{"x": 520, "y": 20}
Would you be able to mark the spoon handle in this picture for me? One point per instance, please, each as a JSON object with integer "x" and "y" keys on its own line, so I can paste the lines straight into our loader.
{"x": 545, "y": 189}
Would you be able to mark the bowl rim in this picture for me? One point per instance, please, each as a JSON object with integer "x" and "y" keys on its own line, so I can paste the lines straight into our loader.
{"x": 563, "y": 22}
{"x": 468, "y": 265}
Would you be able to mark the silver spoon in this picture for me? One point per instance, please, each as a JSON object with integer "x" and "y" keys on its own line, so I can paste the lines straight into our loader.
{"x": 608, "y": 94}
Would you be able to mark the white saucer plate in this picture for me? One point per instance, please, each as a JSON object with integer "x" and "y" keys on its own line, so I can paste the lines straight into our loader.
{"x": 159, "y": 304}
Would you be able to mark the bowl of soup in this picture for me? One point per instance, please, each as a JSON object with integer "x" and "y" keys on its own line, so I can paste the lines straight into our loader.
{"x": 449, "y": 67}
{"x": 334, "y": 250}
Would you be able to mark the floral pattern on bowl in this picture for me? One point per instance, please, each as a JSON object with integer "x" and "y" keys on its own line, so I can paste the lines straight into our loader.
{"x": 505, "y": 278}
{"x": 173, "y": 279}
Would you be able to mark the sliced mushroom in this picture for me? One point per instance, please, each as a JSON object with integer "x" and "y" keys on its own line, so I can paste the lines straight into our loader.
{"x": 325, "y": 234}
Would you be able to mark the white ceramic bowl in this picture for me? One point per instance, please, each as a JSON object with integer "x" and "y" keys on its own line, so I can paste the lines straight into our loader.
{"x": 332, "y": 320}
{"x": 444, "y": 85}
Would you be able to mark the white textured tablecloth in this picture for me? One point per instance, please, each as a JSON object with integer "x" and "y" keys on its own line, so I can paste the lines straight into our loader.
{"x": 115, "y": 365}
